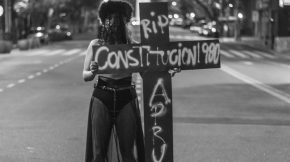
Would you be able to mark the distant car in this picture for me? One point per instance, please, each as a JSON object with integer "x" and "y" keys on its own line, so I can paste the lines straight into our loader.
{"x": 208, "y": 29}
{"x": 41, "y": 33}
{"x": 60, "y": 33}
{"x": 197, "y": 27}
{"x": 176, "y": 22}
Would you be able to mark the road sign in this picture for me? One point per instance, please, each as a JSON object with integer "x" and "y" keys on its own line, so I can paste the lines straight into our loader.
{"x": 154, "y": 57}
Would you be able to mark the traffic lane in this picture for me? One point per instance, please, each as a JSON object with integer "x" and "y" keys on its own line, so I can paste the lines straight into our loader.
{"x": 230, "y": 143}
{"x": 216, "y": 96}
{"x": 45, "y": 119}
{"x": 268, "y": 73}
{"x": 218, "y": 117}
{"x": 24, "y": 65}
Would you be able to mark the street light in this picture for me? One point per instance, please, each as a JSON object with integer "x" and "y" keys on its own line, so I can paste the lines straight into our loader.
{"x": 240, "y": 15}
{"x": 174, "y": 3}
{"x": 176, "y": 16}
{"x": 192, "y": 15}
{"x": 231, "y": 5}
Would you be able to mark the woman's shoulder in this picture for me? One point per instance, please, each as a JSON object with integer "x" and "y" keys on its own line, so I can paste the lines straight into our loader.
{"x": 96, "y": 42}
{"x": 134, "y": 41}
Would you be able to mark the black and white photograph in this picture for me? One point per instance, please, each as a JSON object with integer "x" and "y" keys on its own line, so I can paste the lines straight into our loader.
{"x": 144, "y": 80}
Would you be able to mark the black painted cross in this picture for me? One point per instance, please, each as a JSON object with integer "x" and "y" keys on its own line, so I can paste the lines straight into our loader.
{"x": 154, "y": 57}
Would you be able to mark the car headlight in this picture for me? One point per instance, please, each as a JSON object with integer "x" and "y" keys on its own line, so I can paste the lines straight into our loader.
{"x": 213, "y": 30}
{"x": 205, "y": 32}
{"x": 68, "y": 33}
{"x": 39, "y": 34}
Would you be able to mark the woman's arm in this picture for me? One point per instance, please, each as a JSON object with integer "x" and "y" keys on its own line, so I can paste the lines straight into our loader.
{"x": 88, "y": 73}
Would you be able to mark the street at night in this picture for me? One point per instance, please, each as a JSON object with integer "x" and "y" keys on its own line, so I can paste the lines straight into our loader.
{"x": 221, "y": 66}
{"x": 239, "y": 112}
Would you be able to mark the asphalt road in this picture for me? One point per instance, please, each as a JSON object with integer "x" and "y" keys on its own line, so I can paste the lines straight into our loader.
{"x": 237, "y": 113}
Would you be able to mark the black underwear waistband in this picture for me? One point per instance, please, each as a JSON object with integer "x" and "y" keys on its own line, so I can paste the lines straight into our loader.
{"x": 114, "y": 83}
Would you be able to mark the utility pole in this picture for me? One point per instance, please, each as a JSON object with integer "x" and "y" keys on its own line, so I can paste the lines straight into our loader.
{"x": 238, "y": 22}
{"x": 8, "y": 18}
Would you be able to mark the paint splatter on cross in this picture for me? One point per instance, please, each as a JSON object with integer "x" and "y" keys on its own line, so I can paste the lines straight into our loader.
{"x": 154, "y": 57}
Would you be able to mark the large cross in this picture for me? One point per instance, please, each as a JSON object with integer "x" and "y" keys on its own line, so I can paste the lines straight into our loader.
{"x": 154, "y": 57}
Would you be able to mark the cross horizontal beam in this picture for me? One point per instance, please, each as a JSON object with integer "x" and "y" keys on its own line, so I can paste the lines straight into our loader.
{"x": 187, "y": 55}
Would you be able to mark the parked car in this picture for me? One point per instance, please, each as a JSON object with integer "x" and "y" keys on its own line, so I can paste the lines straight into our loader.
{"x": 39, "y": 32}
{"x": 60, "y": 33}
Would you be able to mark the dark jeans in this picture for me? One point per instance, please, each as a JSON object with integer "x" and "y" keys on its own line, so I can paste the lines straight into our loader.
{"x": 112, "y": 108}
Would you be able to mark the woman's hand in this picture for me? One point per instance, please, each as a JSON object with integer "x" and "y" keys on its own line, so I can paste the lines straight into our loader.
{"x": 94, "y": 67}
{"x": 173, "y": 71}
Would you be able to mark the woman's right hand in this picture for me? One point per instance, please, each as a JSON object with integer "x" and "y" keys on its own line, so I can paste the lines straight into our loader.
{"x": 94, "y": 67}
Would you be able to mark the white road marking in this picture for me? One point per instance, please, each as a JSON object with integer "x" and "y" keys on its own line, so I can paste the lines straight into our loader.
{"x": 225, "y": 53}
{"x": 54, "y": 52}
{"x": 248, "y": 62}
{"x": 10, "y": 85}
{"x": 71, "y": 52}
{"x": 237, "y": 53}
{"x": 30, "y": 76}
{"x": 37, "y": 52}
{"x": 1, "y": 90}
{"x": 253, "y": 54}
{"x": 83, "y": 53}
{"x": 255, "y": 83}
{"x": 21, "y": 81}
{"x": 265, "y": 54}
{"x": 38, "y": 73}
{"x": 44, "y": 70}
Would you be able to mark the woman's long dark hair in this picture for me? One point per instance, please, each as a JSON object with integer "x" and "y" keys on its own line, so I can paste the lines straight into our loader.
{"x": 113, "y": 33}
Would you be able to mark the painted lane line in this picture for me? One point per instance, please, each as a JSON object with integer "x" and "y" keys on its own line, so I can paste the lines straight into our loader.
{"x": 55, "y": 52}
{"x": 44, "y": 70}
{"x": 237, "y": 53}
{"x": 10, "y": 85}
{"x": 38, "y": 73}
{"x": 227, "y": 54}
{"x": 248, "y": 62}
{"x": 253, "y": 54}
{"x": 21, "y": 81}
{"x": 51, "y": 68}
{"x": 38, "y": 52}
{"x": 1, "y": 90}
{"x": 71, "y": 52}
{"x": 30, "y": 76}
{"x": 255, "y": 83}
{"x": 83, "y": 53}
{"x": 265, "y": 54}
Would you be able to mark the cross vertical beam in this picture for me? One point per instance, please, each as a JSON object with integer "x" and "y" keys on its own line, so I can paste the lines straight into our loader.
{"x": 157, "y": 89}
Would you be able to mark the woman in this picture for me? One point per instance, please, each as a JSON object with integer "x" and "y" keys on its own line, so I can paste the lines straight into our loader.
{"x": 113, "y": 106}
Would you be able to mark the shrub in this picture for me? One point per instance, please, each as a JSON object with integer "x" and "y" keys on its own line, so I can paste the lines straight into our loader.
{"x": 5, "y": 46}
{"x": 29, "y": 43}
